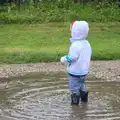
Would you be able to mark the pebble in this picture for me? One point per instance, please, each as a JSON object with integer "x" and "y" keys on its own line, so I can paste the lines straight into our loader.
{"x": 107, "y": 70}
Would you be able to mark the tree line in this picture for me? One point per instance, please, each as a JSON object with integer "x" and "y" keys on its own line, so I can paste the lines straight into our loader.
{"x": 18, "y": 2}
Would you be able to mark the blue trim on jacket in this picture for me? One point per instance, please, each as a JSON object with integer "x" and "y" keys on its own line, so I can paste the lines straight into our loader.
{"x": 68, "y": 58}
{"x": 81, "y": 73}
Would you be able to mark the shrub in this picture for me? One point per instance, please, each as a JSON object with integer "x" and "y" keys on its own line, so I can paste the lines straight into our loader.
{"x": 60, "y": 11}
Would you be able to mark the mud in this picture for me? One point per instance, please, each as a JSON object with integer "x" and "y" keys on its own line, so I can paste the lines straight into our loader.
{"x": 107, "y": 70}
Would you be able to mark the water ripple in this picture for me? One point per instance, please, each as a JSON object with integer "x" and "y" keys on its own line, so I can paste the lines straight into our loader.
{"x": 47, "y": 97}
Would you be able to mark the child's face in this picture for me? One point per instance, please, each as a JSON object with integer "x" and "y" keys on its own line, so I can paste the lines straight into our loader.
{"x": 71, "y": 26}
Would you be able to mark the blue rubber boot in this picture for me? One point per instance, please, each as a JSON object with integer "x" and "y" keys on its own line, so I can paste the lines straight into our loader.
{"x": 75, "y": 99}
{"x": 84, "y": 96}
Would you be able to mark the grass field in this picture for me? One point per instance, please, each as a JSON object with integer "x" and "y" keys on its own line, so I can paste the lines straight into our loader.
{"x": 23, "y": 43}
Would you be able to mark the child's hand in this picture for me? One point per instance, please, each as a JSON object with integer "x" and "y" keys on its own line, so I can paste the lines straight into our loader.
{"x": 63, "y": 59}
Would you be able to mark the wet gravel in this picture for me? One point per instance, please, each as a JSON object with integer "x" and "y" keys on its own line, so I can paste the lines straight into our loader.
{"x": 107, "y": 70}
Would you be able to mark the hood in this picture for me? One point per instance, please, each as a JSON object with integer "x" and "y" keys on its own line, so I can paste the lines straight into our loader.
{"x": 79, "y": 30}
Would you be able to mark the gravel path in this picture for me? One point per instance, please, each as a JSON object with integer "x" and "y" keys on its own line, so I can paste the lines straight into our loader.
{"x": 108, "y": 70}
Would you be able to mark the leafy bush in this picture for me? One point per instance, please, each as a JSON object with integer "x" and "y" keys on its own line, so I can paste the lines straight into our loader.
{"x": 59, "y": 11}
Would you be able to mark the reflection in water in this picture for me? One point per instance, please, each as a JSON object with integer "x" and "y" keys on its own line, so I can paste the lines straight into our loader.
{"x": 79, "y": 112}
{"x": 46, "y": 97}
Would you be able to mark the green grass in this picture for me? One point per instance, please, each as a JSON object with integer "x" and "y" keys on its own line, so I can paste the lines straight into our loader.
{"x": 23, "y": 43}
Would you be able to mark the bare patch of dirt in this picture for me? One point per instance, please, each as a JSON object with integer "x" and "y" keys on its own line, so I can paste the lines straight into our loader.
{"x": 107, "y": 70}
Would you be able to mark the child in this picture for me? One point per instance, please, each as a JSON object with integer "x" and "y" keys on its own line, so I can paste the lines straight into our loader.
{"x": 78, "y": 61}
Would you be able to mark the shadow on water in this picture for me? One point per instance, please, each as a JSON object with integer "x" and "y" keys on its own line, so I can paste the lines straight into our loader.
{"x": 46, "y": 97}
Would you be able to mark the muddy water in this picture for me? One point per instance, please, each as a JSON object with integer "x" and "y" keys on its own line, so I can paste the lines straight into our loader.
{"x": 46, "y": 97}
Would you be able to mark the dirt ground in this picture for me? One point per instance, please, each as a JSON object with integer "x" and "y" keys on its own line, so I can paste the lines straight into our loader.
{"x": 107, "y": 70}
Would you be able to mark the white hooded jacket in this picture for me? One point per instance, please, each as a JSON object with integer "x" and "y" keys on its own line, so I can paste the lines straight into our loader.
{"x": 80, "y": 51}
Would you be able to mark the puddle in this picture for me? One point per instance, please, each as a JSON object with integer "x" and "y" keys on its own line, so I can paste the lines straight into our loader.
{"x": 46, "y": 97}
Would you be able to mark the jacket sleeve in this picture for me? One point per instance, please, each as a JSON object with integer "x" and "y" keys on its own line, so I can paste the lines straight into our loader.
{"x": 74, "y": 53}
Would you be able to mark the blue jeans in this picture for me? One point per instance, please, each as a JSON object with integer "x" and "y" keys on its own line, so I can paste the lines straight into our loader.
{"x": 77, "y": 83}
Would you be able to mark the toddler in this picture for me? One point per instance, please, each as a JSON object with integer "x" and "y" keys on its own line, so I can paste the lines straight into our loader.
{"x": 78, "y": 61}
